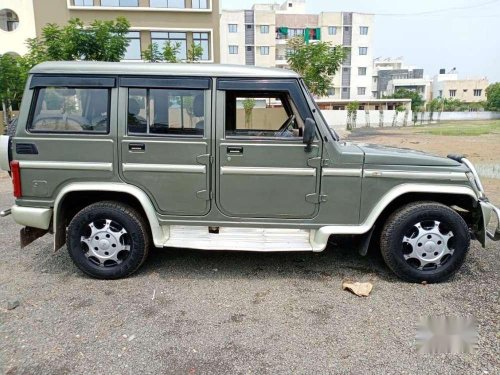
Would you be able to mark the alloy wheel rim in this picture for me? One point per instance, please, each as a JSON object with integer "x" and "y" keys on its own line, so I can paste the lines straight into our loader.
{"x": 428, "y": 245}
{"x": 106, "y": 243}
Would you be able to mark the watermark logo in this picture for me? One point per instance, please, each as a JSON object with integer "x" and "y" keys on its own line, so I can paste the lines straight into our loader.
{"x": 445, "y": 334}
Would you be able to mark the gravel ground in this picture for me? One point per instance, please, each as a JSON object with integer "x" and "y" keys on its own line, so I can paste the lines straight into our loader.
{"x": 193, "y": 312}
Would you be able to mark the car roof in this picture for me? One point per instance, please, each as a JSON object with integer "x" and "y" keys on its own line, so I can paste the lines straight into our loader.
{"x": 143, "y": 68}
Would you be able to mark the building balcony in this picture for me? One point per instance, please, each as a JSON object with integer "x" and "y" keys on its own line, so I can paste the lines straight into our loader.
{"x": 143, "y": 5}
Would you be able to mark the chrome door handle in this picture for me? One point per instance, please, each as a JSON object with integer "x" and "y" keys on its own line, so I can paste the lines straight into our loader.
{"x": 137, "y": 147}
{"x": 234, "y": 150}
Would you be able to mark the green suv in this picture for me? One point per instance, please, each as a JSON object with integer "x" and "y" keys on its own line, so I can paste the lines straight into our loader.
{"x": 112, "y": 158}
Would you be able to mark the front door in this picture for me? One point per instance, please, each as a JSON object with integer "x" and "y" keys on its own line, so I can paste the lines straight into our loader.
{"x": 263, "y": 170}
{"x": 165, "y": 149}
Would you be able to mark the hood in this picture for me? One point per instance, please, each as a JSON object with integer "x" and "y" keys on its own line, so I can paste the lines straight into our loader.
{"x": 376, "y": 154}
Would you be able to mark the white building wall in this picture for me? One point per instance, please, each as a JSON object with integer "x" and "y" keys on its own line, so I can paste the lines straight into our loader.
{"x": 232, "y": 39}
{"x": 15, "y": 41}
{"x": 361, "y": 61}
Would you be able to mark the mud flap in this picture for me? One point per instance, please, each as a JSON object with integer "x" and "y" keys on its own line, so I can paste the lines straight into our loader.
{"x": 30, "y": 234}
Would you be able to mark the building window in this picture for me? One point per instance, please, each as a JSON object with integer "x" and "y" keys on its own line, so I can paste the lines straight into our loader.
{"x": 363, "y": 30}
{"x": 233, "y": 50}
{"x": 361, "y": 90}
{"x": 264, "y": 50}
{"x": 200, "y": 4}
{"x": 331, "y": 91}
{"x": 478, "y": 92}
{"x": 453, "y": 93}
{"x": 9, "y": 21}
{"x": 201, "y": 39}
{"x": 332, "y": 30}
{"x": 174, "y": 38}
{"x": 295, "y": 32}
{"x": 133, "y": 51}
{"x": 120, "y": 3}
{"x": 440, "y": 93}
{"x": 167, "y": 3}
{"x": 264, "y": 29}
{"x": 363, "y": 50}
{"x": 233, "y": 28}
{"x": 362, "y": 71}
{"x": 84, "y": 3}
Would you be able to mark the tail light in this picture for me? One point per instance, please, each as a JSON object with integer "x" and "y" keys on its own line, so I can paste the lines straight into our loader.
{"x": 16, "y": 178}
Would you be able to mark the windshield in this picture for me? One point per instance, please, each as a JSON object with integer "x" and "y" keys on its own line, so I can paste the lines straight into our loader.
{"x": 318, "y": 110}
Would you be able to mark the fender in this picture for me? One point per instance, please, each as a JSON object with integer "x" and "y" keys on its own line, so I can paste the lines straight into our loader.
{"x": 319, "y": 238}
{"x": 160, "y": 234}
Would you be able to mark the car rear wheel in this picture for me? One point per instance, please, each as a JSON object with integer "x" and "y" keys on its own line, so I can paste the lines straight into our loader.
{"x": 425, "y": 241}
{"x": 108, "y": 240}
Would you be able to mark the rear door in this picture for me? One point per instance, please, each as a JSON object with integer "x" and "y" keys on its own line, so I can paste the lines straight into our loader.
{"x": 263, "y": 170}
{"x": 165, "y": 148}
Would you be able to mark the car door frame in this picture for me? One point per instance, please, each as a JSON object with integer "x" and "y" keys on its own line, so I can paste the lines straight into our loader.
{"x": 293, "y": 88}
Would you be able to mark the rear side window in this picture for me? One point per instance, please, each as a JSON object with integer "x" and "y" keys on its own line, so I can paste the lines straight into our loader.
{"x": 71, "y": 110}
{"x": 166, "y": 111}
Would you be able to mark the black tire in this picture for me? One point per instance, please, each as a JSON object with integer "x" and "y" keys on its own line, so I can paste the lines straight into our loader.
{"x": 120, "y": 215}
{"x": 402, "y": 225}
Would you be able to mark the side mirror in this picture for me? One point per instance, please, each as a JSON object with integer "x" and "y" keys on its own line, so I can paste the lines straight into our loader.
{"x": 309, "y": 133}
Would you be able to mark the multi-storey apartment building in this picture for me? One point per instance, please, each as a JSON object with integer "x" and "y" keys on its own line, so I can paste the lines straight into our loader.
{"x": 152, "y": 21}
{"x": 259, "y": 36}
{"x": 17, "y": 24}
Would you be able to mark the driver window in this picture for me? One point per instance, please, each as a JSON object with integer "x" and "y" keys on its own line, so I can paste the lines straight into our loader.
{"x": 68, "y": 109}
{"x": 251, "y": 114}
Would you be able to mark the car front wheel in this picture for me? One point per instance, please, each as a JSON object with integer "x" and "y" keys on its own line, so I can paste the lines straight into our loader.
{"x": 108, "y": 240}
{"x": 425, "y": 241}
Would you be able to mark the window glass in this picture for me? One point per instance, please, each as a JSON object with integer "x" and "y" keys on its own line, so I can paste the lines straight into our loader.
{"x": 200, "y": 4}
{"x": 363, "y": 30}
{"x": 174, "y": 38}
{"x": 361, "y": 90}
{"x": 67, "y": 109}
{"x": 362, "y": 71}
{"x": 84, "y": 3}
{"x": 264, "y": 29}
{"x": 363, "y": 50}
{"x": 332, "y": 30}
{"x": 119, "y": 3}
{"x": 133, "y": 51}
{"x": 233, "y": 50}
{"x": 167, "y": 3}
{"x": 201, "y": 39}
{"x": 264, "y": 50}
{"x": 261, "y": 115}
{"x": 166, "y": 112}
{"x": 233, "y": 28}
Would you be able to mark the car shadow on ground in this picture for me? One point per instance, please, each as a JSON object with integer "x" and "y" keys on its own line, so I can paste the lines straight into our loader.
{"x": 336, "y": 261}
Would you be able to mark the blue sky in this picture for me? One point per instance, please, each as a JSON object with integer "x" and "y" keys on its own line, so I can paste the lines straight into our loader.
{"x": 466, "y": 37}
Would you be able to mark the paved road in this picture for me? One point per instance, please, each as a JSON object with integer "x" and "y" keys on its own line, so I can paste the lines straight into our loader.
{"x": 233, "y": 313}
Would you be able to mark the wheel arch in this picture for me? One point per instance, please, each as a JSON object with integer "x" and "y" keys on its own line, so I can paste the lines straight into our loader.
{"x": 70, "y": 200}
{"x": 396, "y": 197}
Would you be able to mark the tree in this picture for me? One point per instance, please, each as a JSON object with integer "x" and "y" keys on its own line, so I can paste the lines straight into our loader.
{"x": 101, "y": 41}
{"x": 493, "y": 97}
{"x": 152, "y": 53}
{"x": 13, "y": 74}
{"x": 433, "y": 106}
{"x": 352, "y": 114}
{"x": 399, "y": 108}
{"x": 416, "y": 99}
{"x": 316, "y": 62}
{"x": 248, "y": 105}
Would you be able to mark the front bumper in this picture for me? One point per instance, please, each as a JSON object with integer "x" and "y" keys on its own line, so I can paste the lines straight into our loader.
{"x": 490, "y": 211}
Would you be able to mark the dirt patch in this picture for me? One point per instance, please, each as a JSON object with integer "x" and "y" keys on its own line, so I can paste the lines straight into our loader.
{"x": 482, "y": 150}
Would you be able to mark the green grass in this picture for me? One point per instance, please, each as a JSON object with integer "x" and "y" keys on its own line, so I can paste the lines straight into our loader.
{"x": 460, "y": 128}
